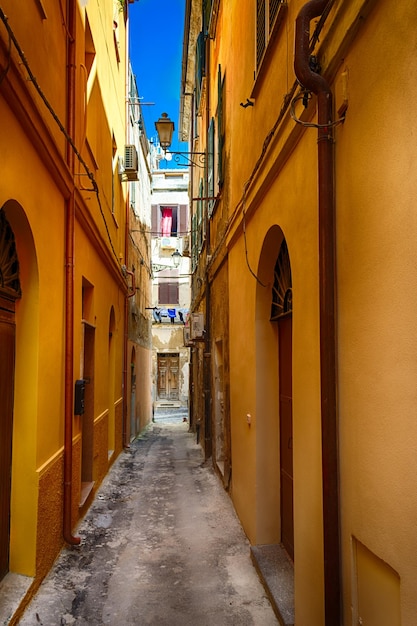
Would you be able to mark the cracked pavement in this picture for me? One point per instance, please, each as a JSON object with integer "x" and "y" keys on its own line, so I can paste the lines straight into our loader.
{"x": 161, "y": 545}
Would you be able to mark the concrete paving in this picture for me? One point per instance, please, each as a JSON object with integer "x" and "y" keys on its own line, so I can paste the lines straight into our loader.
{"x": 161, "y": 545}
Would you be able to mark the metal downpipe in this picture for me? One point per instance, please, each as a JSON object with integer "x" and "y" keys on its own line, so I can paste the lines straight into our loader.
{"x": 327, "y": 292}
{"x": 69, "y": 289}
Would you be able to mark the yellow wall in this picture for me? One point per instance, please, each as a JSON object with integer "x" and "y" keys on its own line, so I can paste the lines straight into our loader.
{"x": 34, "y": 188}
{"x": 373, "y": 44}
{"x": 376, "y": 233}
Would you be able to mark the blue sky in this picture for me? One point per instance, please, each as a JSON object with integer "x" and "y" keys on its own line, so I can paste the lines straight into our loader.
{"x": 156, "y": 35}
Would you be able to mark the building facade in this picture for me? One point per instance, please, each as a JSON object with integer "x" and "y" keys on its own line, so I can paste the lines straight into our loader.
{"x": 306, "y": 216}
{"x": 170, "y": 285}
{"x": 138, "y": 355}
{"x": 68, "y": 280}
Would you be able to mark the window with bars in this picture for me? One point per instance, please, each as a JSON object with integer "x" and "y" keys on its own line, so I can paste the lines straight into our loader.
{"x": 268, "y": 18}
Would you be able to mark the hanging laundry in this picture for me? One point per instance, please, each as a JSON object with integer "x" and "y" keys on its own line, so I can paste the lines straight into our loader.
{"x": 172, "y": 314}
{"x": 166, "y": 222}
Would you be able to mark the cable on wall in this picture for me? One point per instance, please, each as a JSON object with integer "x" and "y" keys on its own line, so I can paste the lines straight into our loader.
{"x": 305, "y": 97}
{"x": 6, "y": 69}
{"x": 288, "y": 100}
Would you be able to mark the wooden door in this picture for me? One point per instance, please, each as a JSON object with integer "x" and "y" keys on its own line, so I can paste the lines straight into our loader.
{"x": 286, "y": 441}
{"x": 87, "y": 420}
{"x": 7, "y": 357}
{"x": 134, "y": 429}
{"x": 168, "y": 376}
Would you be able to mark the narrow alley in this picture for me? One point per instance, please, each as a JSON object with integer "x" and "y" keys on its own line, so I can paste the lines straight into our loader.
{"x": 160, "y": 545}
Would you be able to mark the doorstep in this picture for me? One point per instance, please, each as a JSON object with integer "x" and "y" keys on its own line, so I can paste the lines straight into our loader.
{"x": 277, "y": 576}
{"x": 168, "y": 404}
{"x": 13, "y": 590}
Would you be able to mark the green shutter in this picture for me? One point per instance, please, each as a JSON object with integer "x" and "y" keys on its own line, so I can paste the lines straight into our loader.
{"x": 220, "y": 126}
{"x": 210, "y": 168}
{"x": 207, "y": 4}
{"x": 199, "y": 66}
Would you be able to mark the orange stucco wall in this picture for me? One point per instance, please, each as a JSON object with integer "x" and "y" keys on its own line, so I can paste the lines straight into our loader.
{"x": 375, "y": 234}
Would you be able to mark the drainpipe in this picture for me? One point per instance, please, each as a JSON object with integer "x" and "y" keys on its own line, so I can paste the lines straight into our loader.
{"x": 125, "y": 442}
{"x": 319, "y": 86}
{"x": 207, "y": 360}
{"x": 130, "y": 294}
{"x": 69, "y": 287}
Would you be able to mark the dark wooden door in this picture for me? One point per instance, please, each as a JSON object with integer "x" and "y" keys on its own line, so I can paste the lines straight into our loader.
{"x": 286, "y": 440}
{"x": 87, "y": 420}
{"x": 7, "y": 357}
{"x": 168, "y": 376}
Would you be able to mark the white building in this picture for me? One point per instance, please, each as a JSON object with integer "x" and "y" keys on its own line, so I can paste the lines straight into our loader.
{"x": 138, "y": 356}
{"x": 171, "y": 286}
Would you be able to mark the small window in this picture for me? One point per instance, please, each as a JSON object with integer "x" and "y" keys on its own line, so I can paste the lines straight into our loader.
{"x": 168, "y": 293}
{"x": 164, "y": 221}
{"x": 269, "y": 15}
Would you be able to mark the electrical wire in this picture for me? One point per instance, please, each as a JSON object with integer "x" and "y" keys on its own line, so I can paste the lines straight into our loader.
{"x": 258, "y": 280}
{"x": 302, "y": 96}
{"x": 6, "y": 69}
{"x": 287, "y": 101}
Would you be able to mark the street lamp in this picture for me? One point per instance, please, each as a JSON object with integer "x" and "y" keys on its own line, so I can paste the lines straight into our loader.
{"x": 165, "y": 128}
{"x": 176, "y": 258}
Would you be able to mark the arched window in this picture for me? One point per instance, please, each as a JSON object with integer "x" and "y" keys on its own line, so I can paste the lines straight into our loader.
{"x": 282, "y": 288}
{"x": 9, "y": 264}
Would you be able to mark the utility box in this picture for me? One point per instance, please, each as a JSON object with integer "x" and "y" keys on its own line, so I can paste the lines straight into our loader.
{"x": 79, "y": 397}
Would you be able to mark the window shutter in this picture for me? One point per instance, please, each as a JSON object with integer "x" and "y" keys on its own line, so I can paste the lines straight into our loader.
{"x": 210, "y": 167}
{"x": 168, "y": 293}
{"x": 182, "y": 220}
{"x": 206, "y": 15}
{"x": 155, "y": 224}
{"x": 194, "y": 249}
{"x": 200, "y": 66}
{"x": 220, "y": 128}
{"x": 200, "y": 217}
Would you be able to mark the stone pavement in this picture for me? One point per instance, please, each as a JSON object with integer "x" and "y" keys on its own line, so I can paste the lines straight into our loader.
{"x": 161, "y": 545}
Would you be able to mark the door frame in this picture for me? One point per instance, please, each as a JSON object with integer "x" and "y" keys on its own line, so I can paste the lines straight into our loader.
{"x": 168, "y": 356}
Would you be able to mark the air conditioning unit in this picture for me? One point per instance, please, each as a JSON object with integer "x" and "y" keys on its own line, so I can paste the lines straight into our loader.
{"x": 187, "y": 337}
{"x": 197, "y": 326}
{"x": 131, "y": 163}
{"x": 169, "y": 243}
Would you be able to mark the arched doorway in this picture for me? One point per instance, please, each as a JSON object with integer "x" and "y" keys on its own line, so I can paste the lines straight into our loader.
{"x": 281, "y": 312}
{"x": 273, "y": 367}
{"x": 133, "y": 425}
{"x": 9, "y": 292}
{"x": 274, "y": 444}
{"x": 111, "y": 379}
